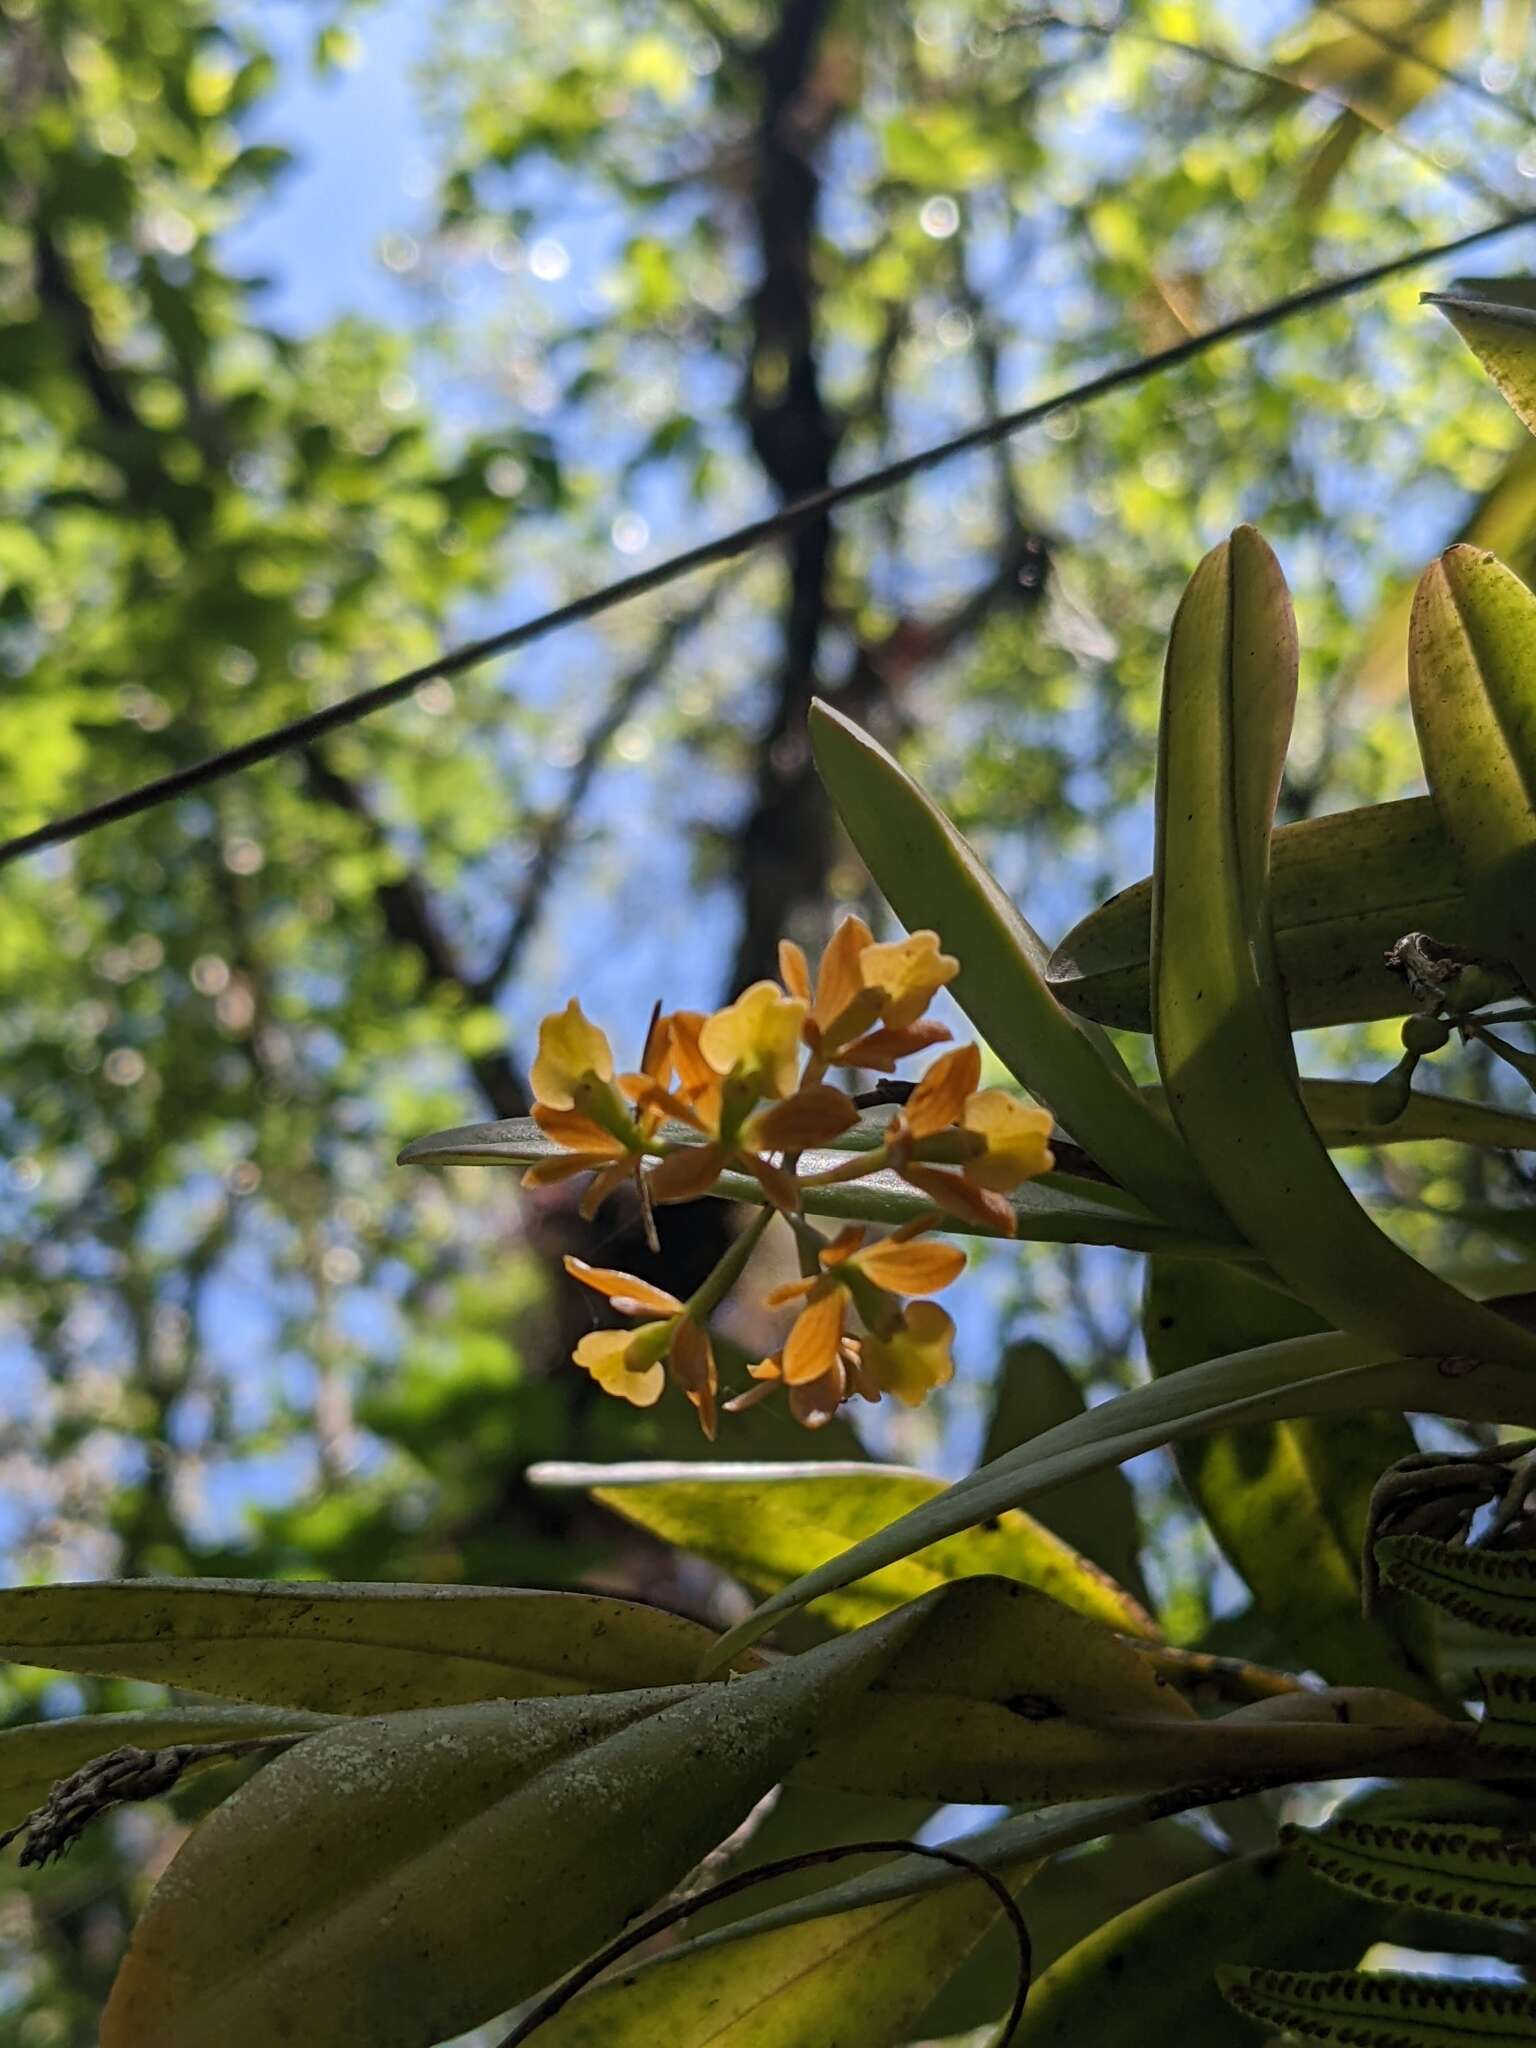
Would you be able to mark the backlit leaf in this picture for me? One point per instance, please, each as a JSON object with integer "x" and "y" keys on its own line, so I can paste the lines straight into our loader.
{"x": 1223, "y": 1047}
{"x": 1344, "y": 887}
{"x": 1472, "y": 676}
{"x": 768, "y": 1524}
{"x": 1496, "y": 318}
{"x": 933, "y": 879}
{"x": 1288, "y": 1501}
{"x": 1033, "y": 1392}
{"x": 852, "y": 1980}
{"x": 1306, "y": 1376}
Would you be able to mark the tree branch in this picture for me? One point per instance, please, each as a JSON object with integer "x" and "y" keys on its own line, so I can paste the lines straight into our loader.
{"x": 728, "y": 547}
{"x": 554, "y": 838}
{"x": 784, "y": 845}
{"x": 411, "y": 921}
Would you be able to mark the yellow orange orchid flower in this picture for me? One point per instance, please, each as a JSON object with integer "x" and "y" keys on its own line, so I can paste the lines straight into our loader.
{"x": 634, "y": 1363}
{"x": 903, "y": 1263}
{"x": 812, "y": 1403}
{"x": 705, "y": 1101}
{"x": 868, "y": 997}
{"x": 908, "y": 973}
{"x": 1007, "y": 1142}
{"x": 616, "y": 1360}
{"x": 1015, "y": 1137}
{"x": 747, "y": 1084}
{"x": 915, "y": 1357}
{"x": 572, "y": 1054}
{"x": 755, "y": 1041}
{"x": 579, "y": 1107}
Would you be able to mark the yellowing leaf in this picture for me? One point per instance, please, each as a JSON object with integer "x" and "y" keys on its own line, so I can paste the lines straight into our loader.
{"x": 850, "y": 1980}
{"x": 1496, "y": 318}
{"x": 351, "y": 1649}
{"x": 768, "y": 1524}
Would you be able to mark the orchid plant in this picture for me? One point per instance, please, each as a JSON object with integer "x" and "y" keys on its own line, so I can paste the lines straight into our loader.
{"x": 468, "y": 1800}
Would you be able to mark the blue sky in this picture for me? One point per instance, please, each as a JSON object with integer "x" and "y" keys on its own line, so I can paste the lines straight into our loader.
{"x": 363, "y": 167}
{"x": 364, "y": 174}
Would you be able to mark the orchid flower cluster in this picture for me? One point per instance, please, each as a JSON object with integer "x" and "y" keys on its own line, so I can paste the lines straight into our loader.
{"x": 744, "y": 1092}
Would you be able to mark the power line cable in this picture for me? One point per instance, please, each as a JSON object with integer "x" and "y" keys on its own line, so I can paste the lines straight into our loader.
{"x": 301, "y": 732}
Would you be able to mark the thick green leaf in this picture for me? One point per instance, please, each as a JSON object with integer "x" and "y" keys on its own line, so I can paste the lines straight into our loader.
{"x": 1223, "y": 1047}
{"x": 33, "y": 1757}
{"x": 1472, "y": 678}
{"x": 978, "y": 1753}
{"x": 1058, "y": 1208}
{"x": 1340, "y": 1111}
{"x": 933, "y": 879}
{"x": 803, "y": 1816}
{"x": 1439, "y": 1866}
{"x": 1020, "y": 1838}
{"x": 1323, "y": 1375}
{"x": 349, "y": 1649}
{"x": 1311, "y": 1375}
{"x": 768, "y": 1524}
{"x": 1503, "y": 518}
{"x": 1344, "y": 888}
{"x": 1496, "y": 318}
{"x": 1287, "y": 1502}
{"x": 1163, "y": 1953}
{"x": 1068, "y": 1898}
{"x": 405, "y": 1876}
{"x": 1080, "y": 1890}
{"x": 1001, "y": 1753}
{"x": 1034, "y": 1392}
{"x": 853, "y": 1980}
{"x": 1004, "y": 1695}
{"x": 1381, "y": 2010}
{"x": 1050, "y": 1832}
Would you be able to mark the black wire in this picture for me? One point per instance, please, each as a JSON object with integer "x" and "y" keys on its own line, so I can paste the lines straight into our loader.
{"x": 300, "y": 732}
{"x": 556, "y": 2000}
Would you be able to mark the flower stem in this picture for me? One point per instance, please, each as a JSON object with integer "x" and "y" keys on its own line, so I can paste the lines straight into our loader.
{"x": 707, "y": 1298}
